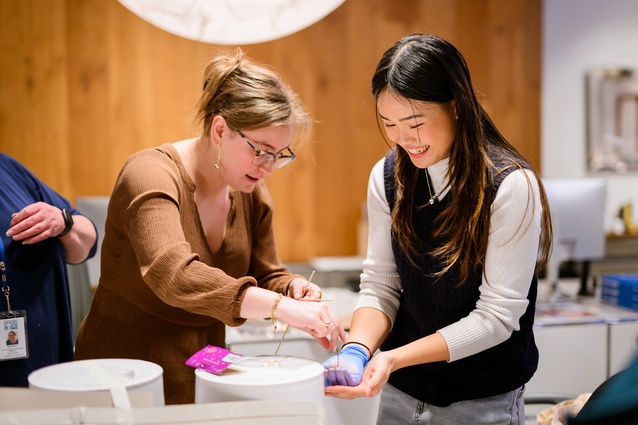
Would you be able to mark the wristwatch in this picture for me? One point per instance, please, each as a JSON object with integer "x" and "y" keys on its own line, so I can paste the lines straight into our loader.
{"x": 68, "y": 222}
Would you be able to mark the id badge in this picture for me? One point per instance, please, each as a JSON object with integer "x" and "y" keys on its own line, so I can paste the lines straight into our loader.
{"x": 13, "y": 335}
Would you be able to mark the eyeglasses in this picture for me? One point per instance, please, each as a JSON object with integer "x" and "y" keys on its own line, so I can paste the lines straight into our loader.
{"x": 282, "y": 158}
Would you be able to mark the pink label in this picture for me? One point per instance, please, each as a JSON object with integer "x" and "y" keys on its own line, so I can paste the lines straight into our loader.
{"x": 212, "y": 359}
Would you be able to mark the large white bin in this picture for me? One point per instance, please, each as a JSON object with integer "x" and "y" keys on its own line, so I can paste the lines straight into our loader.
{"x": 101, "y": 375}
{"x": 262, "y": 378}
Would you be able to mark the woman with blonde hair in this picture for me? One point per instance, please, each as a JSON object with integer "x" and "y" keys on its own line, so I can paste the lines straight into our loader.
{"x": 189, "y": 245}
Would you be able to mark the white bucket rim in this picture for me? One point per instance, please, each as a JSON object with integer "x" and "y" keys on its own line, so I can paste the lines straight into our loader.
{"x": 145, "y": 373}
{"x": 310, "y": 370}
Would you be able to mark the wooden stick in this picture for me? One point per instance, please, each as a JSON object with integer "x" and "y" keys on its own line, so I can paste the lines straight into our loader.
{"x": 307, "y": 283}
{"x": 315, "y": 300}
{"x": 287, "y": 325}
{"x": 282, "y": 339}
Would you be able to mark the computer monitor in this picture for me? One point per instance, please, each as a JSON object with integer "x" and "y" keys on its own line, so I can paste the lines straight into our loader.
{"x": 578, "y": 216}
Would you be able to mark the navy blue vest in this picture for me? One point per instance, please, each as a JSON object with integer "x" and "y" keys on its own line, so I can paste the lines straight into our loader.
{"x": 429, "y": 303}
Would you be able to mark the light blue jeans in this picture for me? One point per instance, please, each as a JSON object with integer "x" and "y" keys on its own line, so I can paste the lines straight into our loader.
{"x": 396, "y": 407}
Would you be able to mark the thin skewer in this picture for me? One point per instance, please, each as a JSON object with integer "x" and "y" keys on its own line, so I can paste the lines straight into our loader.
{"x": 315, "y": 300}
{"x": 307, "y": 283}
{"x": 287, "y": 325}
{"x": 282, "y": 339}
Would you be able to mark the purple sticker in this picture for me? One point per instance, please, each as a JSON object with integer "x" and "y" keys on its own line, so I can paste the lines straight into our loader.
{"x": 212, "y": 359}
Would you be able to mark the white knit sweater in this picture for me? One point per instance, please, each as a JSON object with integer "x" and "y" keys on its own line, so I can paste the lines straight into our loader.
{"x": 509, "y": 263}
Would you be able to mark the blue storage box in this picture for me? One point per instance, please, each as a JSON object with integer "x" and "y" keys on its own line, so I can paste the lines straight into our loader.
{"x": 620, "y": 290}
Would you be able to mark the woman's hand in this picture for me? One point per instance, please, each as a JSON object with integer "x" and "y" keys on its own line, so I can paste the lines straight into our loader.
{"x": 35, "y": 223}
{"x": 374, "y": 378}
{"x": 313, "y": 317}
{"x": 347, "y": 367}
{"x": 301, "y": 288}
{"x": 308, "y": 314}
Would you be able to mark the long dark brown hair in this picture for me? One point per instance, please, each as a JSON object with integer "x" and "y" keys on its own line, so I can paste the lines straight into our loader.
{"x": 422, "y": 67}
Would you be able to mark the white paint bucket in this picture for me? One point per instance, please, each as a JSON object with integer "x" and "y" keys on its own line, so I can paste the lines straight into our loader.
{"x": 115, "y": 375}
{"x": 262, "y": 378}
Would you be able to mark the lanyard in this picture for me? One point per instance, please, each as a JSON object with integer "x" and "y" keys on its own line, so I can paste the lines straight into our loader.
{"x": 3, "y": 270}
{"x": 12, "y": 321}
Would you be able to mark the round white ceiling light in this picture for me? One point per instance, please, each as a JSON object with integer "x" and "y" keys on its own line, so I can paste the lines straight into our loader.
{"x": 232, "y": 22}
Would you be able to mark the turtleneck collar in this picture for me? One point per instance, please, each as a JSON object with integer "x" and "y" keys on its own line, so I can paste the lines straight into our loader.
{"x": 439, "y": 177}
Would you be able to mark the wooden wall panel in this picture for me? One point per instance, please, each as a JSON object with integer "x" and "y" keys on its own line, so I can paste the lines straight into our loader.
{"x": 33, "y": 92}
{"x": 85, "y": 83}
{"x": 88, "y": 94}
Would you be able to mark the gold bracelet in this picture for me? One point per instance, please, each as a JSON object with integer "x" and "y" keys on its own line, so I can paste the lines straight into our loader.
{"x": 274, "y": 308}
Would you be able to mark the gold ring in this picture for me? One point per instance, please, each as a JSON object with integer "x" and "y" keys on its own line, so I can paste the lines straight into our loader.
{"x": 328, "y": 323}
{"x": 320, "y": 295}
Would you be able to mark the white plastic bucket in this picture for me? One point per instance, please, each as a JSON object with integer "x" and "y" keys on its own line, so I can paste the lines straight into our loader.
{"x": 262, "y": 378}
{"x": 114, "y": 375}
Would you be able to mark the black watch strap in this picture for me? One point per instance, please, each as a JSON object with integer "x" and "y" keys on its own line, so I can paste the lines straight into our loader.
{"x": 68, "y": 222}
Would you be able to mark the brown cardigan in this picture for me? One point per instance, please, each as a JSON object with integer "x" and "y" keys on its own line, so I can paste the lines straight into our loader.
{"x": 162, "y": 294}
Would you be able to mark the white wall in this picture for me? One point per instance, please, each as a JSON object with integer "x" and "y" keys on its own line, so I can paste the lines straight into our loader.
{"x": 579, "y": 35}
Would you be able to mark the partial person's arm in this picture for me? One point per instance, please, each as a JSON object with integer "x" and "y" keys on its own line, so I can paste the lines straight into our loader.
{"x": 316, "y": 318}
{"x": 431, "y": 348}
{"x": 378, "y": 299}
{"x": 79, "y": 241}
{"x": 510, "y": 262}
{"x": 40, "y": 221}
{"x": 380, "y": 287}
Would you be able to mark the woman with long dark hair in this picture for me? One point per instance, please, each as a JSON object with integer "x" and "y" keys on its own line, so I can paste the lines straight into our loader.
{"x": 459, "y": 227}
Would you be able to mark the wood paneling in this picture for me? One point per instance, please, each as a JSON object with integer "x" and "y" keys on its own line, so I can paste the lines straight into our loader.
{"x": 85, "y": 83}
